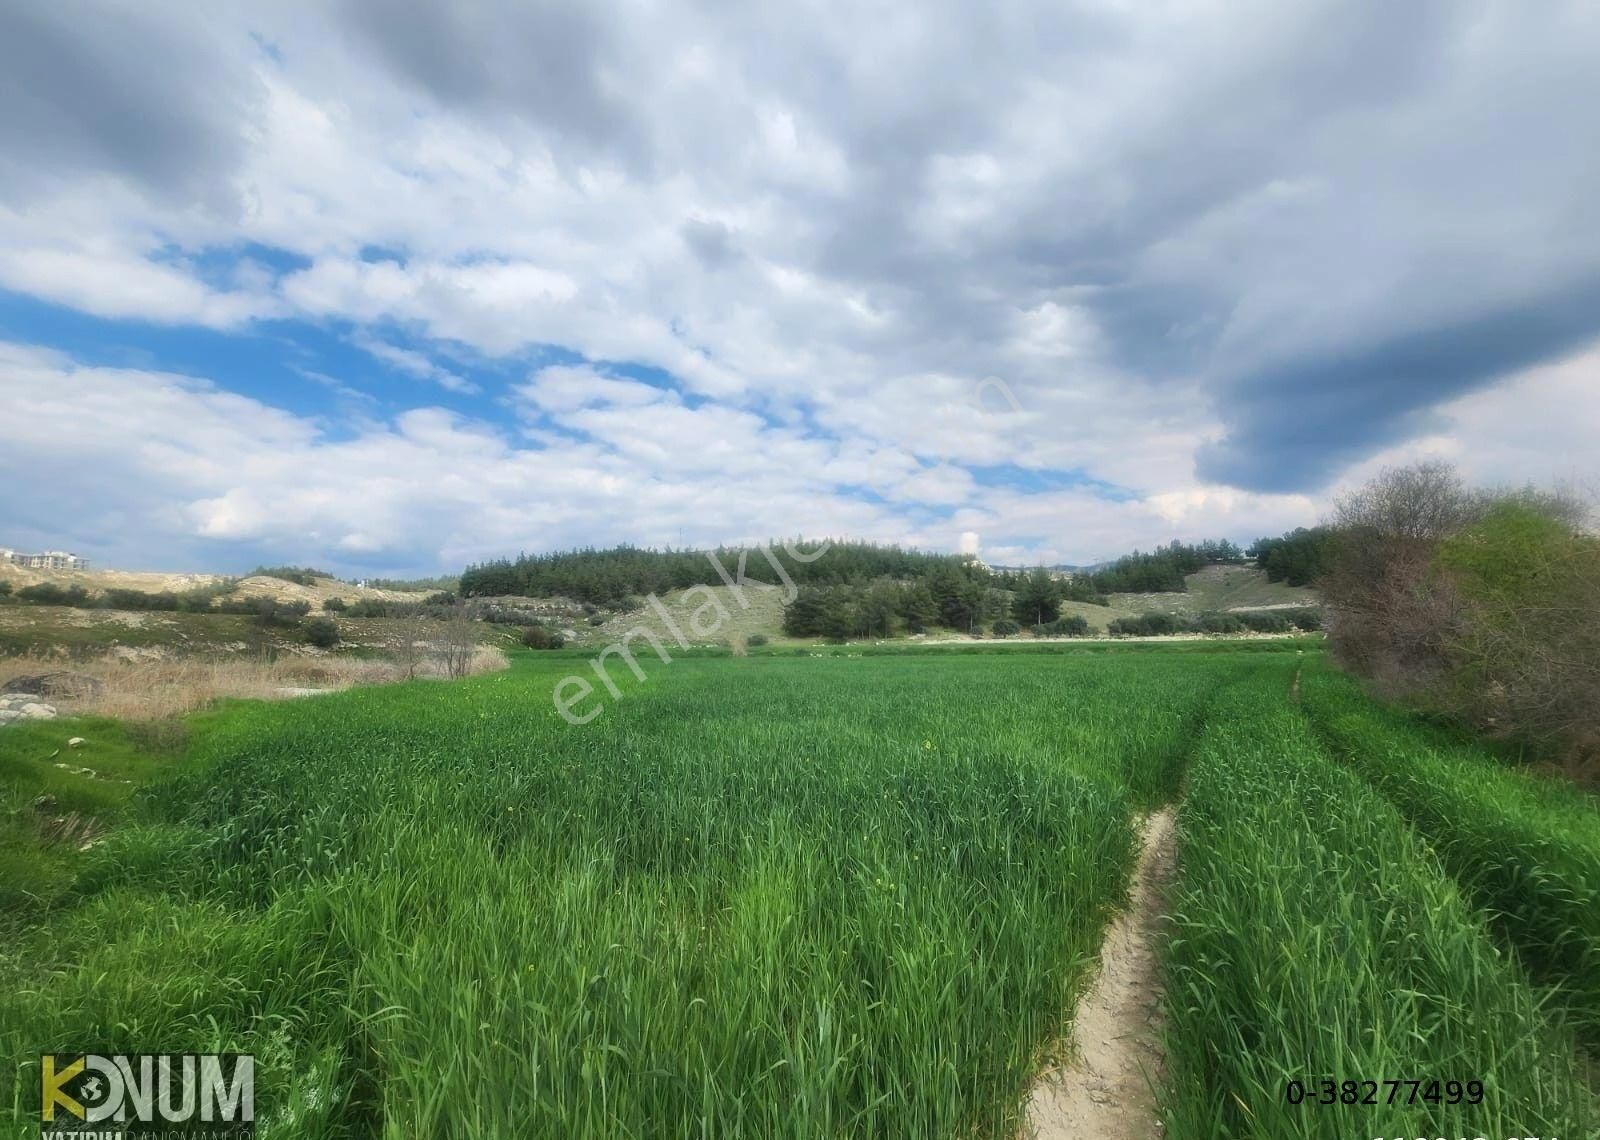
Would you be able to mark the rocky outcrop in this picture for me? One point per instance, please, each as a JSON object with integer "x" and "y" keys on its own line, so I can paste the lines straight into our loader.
{"x": 56, "y": 684}
{"x": 24, "y": 706}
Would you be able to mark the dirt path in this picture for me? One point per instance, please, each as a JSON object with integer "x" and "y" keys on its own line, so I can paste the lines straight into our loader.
{"x": 1104, "y": 1090}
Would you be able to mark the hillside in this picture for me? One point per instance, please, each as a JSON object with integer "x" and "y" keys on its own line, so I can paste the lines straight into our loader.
{"x": 1214, "y": 588}
{"x": 156, "y": 582}
{"x": 1222, "y": 588}
{"x": 764, "y": 616}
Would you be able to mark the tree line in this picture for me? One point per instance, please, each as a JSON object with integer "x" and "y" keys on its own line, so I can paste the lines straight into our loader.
{"x": 617, "y": 576}
{"x": 1163, "y": 570}
{"x": 1298, "y": 558}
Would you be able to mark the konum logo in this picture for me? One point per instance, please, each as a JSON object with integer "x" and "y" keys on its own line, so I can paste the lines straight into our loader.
{"x": 210, "y": 1095}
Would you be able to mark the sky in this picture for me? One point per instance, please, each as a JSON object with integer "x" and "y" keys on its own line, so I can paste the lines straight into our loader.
{"x": 391, "y": 290}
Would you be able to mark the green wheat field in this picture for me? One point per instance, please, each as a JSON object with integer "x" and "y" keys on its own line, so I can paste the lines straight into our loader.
{"x": 838, "y": 896}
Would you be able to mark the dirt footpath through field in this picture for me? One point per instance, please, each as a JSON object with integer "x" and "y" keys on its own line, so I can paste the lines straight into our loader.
{"x": 1105, "y": 1090}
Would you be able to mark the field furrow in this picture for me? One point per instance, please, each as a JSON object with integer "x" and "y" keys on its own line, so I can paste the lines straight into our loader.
{"x": 1524, "y": 848}
{"x": 1317, "y": 939}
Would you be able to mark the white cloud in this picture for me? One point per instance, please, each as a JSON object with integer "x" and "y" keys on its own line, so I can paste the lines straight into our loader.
{"x": 150, "y": 469}
{"x": 415, "y": 364}
{"x": 123, "y": 283}
{"x": 1105, "y": 238}
{"x": 563, "y": 388}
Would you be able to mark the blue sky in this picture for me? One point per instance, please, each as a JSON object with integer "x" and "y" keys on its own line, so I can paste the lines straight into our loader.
{"x": 1045, "y": 281}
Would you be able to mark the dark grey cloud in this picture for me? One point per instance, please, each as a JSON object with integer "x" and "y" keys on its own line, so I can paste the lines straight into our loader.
{"x": 712, "y": 241}
{"x": 128, "y": 90}
{"x": 1294, "y": 426}
{"x": 547, "y": 63}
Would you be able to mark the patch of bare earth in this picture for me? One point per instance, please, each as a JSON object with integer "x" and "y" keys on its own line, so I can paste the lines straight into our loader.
{"x": 1106, "y": 1089}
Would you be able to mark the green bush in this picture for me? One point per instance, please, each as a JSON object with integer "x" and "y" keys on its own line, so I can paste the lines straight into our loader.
{"x": 1265, "y": 621}
{"x": 542, "y": 637}
{"x": 1308, "y": 619}
{"x": 1005, "y": 627}
{"x": 1146, "y": 625}
{"x": 119, "y": 599}
{"x": 50, "y": 594}
{"x": 299, "y": 575}
{"x": 265, "y": 612}
{"x": 756, "y": 640}
{"x": 322, "y": 632}
{"x": 1070, "y": 626}
{"x": 334, "y": 605}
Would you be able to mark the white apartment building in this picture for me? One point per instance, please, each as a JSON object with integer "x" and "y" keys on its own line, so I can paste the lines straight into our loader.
{"x": 49, "y": 560}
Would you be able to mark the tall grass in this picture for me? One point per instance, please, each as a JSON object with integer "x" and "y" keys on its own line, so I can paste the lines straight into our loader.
{"x": 150, "y": 689}
{"x": 760, "y": 897}
{"x": 1525, "y": 847}
{"x": 1316, "y": 937}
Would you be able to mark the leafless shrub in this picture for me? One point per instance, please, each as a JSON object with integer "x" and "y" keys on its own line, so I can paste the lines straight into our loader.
{"x": 1409, "y": 506}
{"x": 411, "y": 645}
{"x": 458, "y": 642}
{"x": 1390, "y": 613}
{"x": 1484, "y": 605}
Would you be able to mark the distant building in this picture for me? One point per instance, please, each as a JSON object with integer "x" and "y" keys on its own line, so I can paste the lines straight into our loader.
{"x": 49, "y": 560}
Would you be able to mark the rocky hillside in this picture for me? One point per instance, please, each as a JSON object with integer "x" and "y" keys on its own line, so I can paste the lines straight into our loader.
{"x": 155, "y": 582}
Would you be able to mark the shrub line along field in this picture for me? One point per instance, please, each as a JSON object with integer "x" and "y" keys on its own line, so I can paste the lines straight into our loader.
{"x": 792, "y": 896}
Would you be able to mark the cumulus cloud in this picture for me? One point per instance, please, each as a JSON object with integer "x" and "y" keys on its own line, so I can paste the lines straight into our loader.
{"x": 144, "y": 468}
{"x": 1203, "y": 262}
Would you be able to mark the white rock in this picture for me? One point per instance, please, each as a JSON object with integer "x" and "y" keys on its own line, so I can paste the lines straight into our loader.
{"x": 36, "y": 711}
{"x": 76, "y": 742}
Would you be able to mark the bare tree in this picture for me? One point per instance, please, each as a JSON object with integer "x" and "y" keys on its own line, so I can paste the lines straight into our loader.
{"x": 1391, "y": 614}
{"x": 459, "y": 642}
{"x": 1417, "y": 504}
{"x": 412, "y": 644}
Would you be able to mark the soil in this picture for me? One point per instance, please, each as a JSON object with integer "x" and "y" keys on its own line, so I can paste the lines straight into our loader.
{"x": 1106, "y": 1089}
